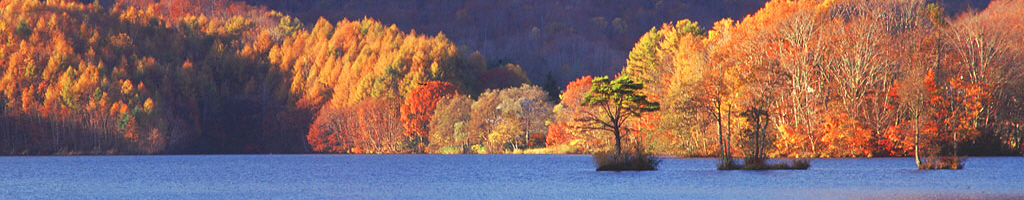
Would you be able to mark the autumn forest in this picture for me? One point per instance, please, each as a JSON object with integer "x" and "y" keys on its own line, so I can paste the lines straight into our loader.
{"x": 788, "y": 78}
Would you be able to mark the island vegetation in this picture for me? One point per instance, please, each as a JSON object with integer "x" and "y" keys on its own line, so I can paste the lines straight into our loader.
{"x": 614, "y": 103}
{"x": 795, "y": 79}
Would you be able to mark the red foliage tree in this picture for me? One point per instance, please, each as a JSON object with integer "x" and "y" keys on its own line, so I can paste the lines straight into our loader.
{"x": 567, "y": 111}
{"x": 332, "y": 130}
{"x": 419, "y": 108}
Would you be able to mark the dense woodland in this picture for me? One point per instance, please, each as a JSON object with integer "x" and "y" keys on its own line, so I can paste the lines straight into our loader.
{"x": 833, "y": 78}
{"x": 551, "y": 39}
{"x": 837, "y": 78}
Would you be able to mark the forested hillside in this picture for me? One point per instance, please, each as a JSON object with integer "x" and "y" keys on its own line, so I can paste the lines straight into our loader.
{"x": 197, "y": 76}
{"x": 131, "y": 79}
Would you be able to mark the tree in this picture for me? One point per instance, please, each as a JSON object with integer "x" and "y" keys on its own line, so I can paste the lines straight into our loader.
{"x": 378, "y": 130}
{"x": 523, "y": 112}
{"x": 757, "y": 140}
{"x": 718, "y": 85}
{"x": 289, "y": 25}
{"x": 419, "y": 108}
{"x": 914, "y": 101}
{"x": 332, "y": 131}
{"x": 660, "y": 60}
{"x": 565, "y": 114}
{"x": 650, "y": 56}
{"x": 449, "y": 128}
{"x": 618, "y": 101}
{"x": 551, "y": 87}
{"x": 918, "y": 71}
{"x": 485, "y": 116}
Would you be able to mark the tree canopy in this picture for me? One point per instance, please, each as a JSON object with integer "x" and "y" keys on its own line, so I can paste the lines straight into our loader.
{"x": 618, "y": 101}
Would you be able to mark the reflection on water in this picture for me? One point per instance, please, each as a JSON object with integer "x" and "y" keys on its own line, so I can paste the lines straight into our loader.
{"x": 487, "y": 177}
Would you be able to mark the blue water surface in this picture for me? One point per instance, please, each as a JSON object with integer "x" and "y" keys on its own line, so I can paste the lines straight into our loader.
{"x": 487, "y": 177}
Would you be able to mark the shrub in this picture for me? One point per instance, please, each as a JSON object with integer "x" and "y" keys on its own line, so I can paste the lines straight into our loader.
{"x": 454, "y": 149}
{"x": 729, "y": 164}
{"x": 627, "y": 161}
{"x": 942, "y": 163}
{"x": 761, "y": 164}
{"x": 477, "y": 149}
{"x": 801, "y": 164}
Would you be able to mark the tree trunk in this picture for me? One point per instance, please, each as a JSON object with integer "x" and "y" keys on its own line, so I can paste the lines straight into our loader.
{"x": 618, "y": 141}
{"x": 728, "y": 132}
{"x": 526, "y": 132}
{"x": 1020, "y": 139}
{"x": 721, "y": 140}
{"x": 917, "y": 140}
{"x": 952, "y": 109}
{"x": 955, "y": 145}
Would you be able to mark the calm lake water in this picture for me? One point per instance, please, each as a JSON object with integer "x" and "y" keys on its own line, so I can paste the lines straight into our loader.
{"x": 487, "y": 177}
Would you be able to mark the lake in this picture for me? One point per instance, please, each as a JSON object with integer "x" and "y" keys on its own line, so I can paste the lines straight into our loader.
{"x": 487, "y": 177}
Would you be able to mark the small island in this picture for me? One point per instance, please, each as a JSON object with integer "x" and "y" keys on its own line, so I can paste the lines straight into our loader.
{"x": 940, "y": 163}
{"x": 754, "y": 164}
{"x": 630, "y": 161}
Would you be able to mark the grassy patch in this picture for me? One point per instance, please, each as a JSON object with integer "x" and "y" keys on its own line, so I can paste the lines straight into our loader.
{"x": 554, "y": 149}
